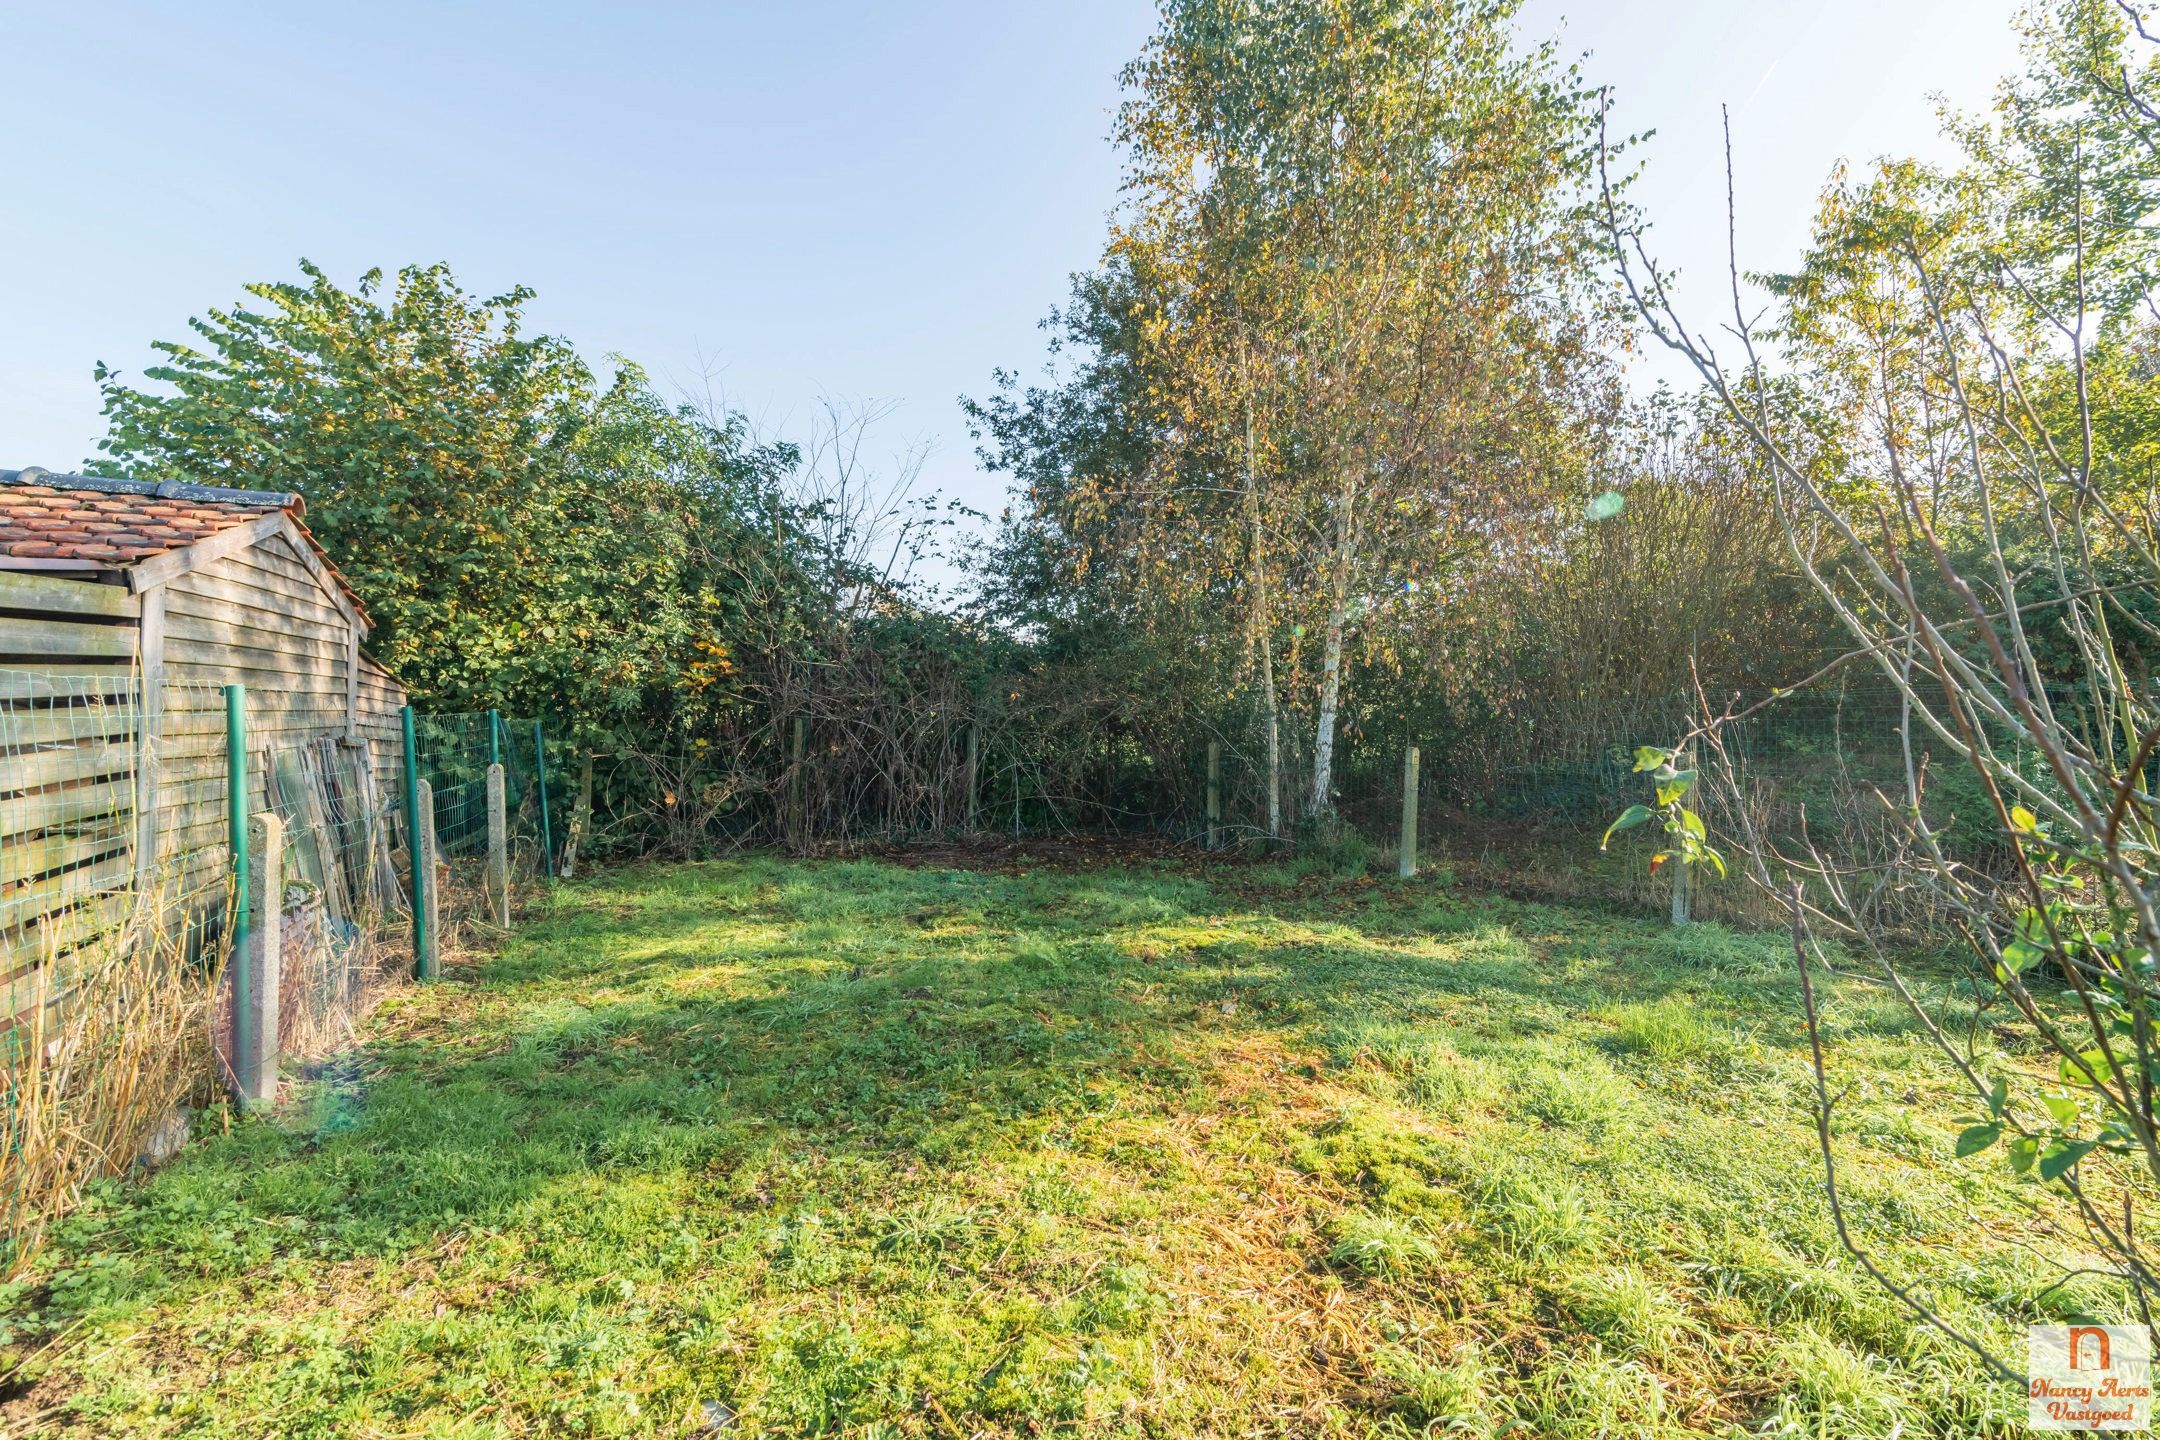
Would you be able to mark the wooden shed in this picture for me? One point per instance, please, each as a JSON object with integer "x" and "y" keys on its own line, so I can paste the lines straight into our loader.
{"x": 125, "y": 607}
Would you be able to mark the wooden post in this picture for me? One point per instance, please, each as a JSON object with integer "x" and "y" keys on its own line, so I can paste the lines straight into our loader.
{"x": 1214, "y": 794}
{"x": 260, "y": 961}
{"x": 974, "y": 770}
{"x": 547, "y": 833}
{"x": 1406, "y": 863}
{"x": 498, "y": 851}
{"x": 426, "y": 909}
{"x": 798, "y": 819}
{"x": 1678, "y": 861}
{"x": 580, "y": 817}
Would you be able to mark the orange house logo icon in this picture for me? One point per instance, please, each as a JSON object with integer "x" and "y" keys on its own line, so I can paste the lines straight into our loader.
{"x": 2089, "y": 1348}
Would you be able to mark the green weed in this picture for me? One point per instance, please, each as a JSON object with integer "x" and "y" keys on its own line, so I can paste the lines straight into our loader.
{"x": 1382, "y": 1246}
{"x": 1627, "y": 1312}
{"x": 1669, "y": 1030}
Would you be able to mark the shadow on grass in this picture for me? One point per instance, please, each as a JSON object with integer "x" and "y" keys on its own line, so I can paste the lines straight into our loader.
{"x": 701, "y": 1018}
{"x": 786, "y": 1096}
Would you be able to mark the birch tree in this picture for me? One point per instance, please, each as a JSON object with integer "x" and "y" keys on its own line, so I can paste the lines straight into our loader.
{"x": 1376, "y": 209}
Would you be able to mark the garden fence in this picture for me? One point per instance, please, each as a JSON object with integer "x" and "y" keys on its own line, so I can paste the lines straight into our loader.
{"x": 169, "y": 925}
{"x": 1521, "y": 802}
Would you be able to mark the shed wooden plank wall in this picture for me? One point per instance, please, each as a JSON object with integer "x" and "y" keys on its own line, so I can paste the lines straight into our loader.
{"x": 67, "y": 762}
{"x": 82, "y": 824}
{"x": 259, "y": 618}
{"x": 377, "y": 700}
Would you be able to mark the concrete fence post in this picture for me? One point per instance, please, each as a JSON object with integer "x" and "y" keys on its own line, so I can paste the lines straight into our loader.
{"x": 1406, "y": 863}
{"x": 1214, "y": 794}
{"x": 259, "y": 958}
{"x": 498, "y": 852}
{"x": 425, "y": 900}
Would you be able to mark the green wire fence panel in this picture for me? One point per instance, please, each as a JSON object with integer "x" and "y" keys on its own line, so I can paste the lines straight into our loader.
{"x": 453, "y": 755}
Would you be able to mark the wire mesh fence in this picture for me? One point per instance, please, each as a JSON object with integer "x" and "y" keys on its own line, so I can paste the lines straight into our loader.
{"x": 119, "y": 907}
{"x": 117, "y": 810}
{"x": 453, "y": 753}
{"x": 1525, "y": 804}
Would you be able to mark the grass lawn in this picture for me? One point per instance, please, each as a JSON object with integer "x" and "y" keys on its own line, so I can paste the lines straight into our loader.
{"x": 765, "y": 1147}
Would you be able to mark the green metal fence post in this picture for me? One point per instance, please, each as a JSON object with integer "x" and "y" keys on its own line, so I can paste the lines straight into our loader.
{"x": 1680, "y": 909}
{"x": 414, "y": 848}
{"x": 494, "y": 737}
{"x": 547, "y": 834}
{"x": 236, "y": 819}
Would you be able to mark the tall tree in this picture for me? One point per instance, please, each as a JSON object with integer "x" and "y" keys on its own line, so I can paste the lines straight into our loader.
{"x": 1355, "y": 231}
{"x": 522, "y": 535}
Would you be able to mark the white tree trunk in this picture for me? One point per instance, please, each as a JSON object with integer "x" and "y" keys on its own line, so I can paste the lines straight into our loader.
{"x": 1346, "y": 541}
{"x": 1262, "y": 624}
{"x": 1323, "y": 767}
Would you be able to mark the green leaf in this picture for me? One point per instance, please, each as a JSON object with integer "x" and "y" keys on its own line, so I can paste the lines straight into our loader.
{"x": 2023, "y": 1151}
{"x": 2062, "y": 1107}
{"x": 2019, "y": 956}
{"x": 1649, "y": 757}
{"x": 1692, "y": 823}
{"x": 2061, "y": 1155}
{"x": 1975, "y": 1138}
{"x": 1629, "y": 818}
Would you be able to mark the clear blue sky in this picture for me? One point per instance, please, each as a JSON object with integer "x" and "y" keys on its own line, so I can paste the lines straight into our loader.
{"x": 1809, "y": 85}
{"x": 857, "y": 199}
